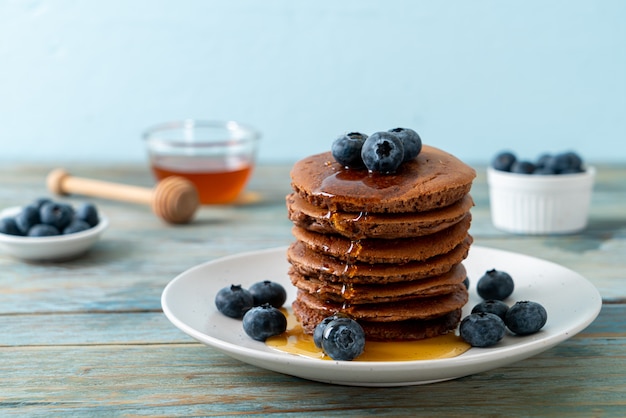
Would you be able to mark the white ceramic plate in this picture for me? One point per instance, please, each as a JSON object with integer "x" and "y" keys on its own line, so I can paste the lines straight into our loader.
{"x": 571, "y": 301}
{"x": 52, "y": 248}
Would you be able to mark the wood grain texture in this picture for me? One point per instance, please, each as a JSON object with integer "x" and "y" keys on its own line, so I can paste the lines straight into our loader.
{"x": 576, "y": 378}
{"x": 88, "y": 338}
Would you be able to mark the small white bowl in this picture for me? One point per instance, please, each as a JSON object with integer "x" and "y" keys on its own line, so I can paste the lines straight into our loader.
{"x": 51, "y": 248}
{"x": 540, "y": 204}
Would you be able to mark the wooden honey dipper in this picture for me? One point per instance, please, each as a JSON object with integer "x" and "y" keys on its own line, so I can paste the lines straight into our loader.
{"x": 174, "y": 199}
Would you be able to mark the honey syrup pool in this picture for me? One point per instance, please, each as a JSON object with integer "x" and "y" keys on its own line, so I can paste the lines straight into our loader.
{"x": 295, "y": 341}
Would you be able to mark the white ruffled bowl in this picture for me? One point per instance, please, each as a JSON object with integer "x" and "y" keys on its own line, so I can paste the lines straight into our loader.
{"x": 536, "y": 204}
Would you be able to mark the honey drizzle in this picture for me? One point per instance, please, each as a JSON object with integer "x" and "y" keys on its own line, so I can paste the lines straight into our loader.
{"x": 347, "y": 290}
{"x": 295, "y": 341}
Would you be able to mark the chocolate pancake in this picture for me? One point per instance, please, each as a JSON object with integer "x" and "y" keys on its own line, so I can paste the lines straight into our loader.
{"x": 383, "y": 249}
{"x": 411, "y": 330}
{"x": 416, "y": 308}
{"x": 434, "y": 179}
{"x": 408, "y": 330}
{"x": 307, "y": 262}
{"x": 375, "y": 225}
{"x": 379, "y": 293}
{"x": 374, "y": 250}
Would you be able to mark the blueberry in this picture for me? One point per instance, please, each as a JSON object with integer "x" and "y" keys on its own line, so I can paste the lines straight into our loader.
{"x": 262, "y": 322}
{"x": 43, "y": 230}
{"x": 347, "y": 149}
{"x": 321, "y": 326}
{"x": 482, "y": 329}
{"x": 382, "y": 152}
{"x": 268, "y": 292}
{"x": 58, "y": 215}
{"x": 234, "y": 301}
{"x": 343, "y": 339}
{"x": 495, "y": 284}
{"x": 27, "y": 217}
{"x": 9, "y": 227}
{"x": 557, "y": 163}
{"x": 40, "y": 201}
{"x": 566, "y": 162}
{"x": 76, "y": 225}
{"x": 572, "y": 171}
{"x": 466, "y": 282}
{"x": 496, "y": 307}
{"x": 542, "y": 161}
{"x": 503, "y": 161}
{"x": 411, "y": 142}
{"x": 574, "y": 162}
{"x": 526, "y": 317}
{"x": 546, "y": 164}
{"x": 523, "y": 167}
{"x": 87, "y": 212}
{"x": 544, "y": 171}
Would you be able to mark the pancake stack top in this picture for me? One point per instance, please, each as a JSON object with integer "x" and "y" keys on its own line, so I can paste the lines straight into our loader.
{"x": 383, "y": 249}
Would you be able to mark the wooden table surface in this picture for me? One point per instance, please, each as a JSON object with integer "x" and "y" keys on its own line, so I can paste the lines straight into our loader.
{"x": 88, "y": 337}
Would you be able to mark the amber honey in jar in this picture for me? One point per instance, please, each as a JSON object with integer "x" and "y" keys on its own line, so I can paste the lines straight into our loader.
{"x": 217, "y": 157}
{"x": 215, "y": 181}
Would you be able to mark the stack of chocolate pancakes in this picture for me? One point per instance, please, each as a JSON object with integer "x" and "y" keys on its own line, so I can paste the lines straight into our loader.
{"x": 384, "y": 249}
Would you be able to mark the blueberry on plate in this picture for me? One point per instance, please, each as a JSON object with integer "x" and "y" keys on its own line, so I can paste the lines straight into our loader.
{"x": 343, "y": 339}
{"x": 9, "y": 227}
{"x": 262, "y": 322}
{"x": 503, "y": 161}
{"x": 56, "y": 214}
{"x": 525, "y": 317}
{"x": 234, "y": 301}
{"x": 482, "y": 329}
{"x": 496, "y": 307}
{"x": 318, "y": 333}
{"x": 382, "y": 152}
{"x": 268, "y": 292}
{"x": 347, "y": 149}
{"x": 410, "y": 140}
{"x": 43, "y": 230}
{"x": 495, "y": 284}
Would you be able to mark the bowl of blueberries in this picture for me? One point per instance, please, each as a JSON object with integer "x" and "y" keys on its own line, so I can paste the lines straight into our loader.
{"x": 549, "y": 195}
{"x": 47, "y": 230}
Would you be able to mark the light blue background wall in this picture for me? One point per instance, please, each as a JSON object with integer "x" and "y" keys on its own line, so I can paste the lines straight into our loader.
{"x": 80, "y": 80}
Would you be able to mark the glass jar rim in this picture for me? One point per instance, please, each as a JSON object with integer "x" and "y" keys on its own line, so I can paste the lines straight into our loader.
{"x": 239, "y": 133}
